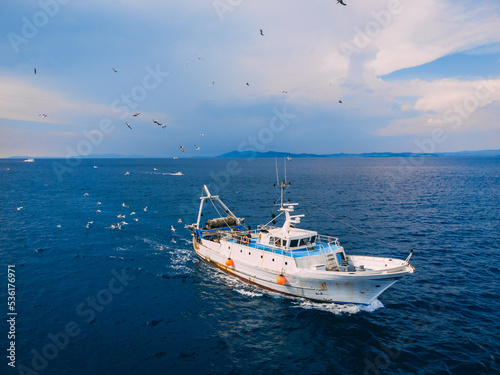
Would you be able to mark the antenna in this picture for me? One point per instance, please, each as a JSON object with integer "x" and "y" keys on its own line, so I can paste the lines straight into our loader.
{"x": 277, "y": 178}
{"x": 284, "y": 163}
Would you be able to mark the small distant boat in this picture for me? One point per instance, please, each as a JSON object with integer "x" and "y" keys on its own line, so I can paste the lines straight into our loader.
{"x": 175, "y": 158}
{"x": 177, "y": 174}
{"x": 30, "y": 160}
{"x": 292, "y": 261}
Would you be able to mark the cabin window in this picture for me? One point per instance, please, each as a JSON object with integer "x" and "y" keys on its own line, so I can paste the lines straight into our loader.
{"x": 303, "y": 241}
{"x": 275, "y": 241}
{"x": 313, "y": 239}
{"x": 294, "y": 243}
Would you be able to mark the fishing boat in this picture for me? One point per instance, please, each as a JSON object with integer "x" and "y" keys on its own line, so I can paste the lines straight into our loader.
{"x": 30, "y": 160}
{"x": 290, "y": 260}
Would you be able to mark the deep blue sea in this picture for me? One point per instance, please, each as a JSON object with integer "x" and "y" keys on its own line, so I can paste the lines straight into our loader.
{"x": 95, "y": 300}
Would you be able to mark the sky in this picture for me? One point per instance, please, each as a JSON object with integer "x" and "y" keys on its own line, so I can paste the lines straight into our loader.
{"x": 371, "y": 76}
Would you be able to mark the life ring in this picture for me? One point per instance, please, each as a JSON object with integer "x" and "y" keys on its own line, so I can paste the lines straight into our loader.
{"x": 245, "y": 239}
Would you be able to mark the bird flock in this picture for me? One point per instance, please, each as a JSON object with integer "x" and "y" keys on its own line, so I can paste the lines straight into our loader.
{"x": 164, "y": 126}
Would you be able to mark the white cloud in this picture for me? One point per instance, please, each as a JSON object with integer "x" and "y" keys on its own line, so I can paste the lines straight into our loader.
{"x": 448, "y": 103}
{"x": 25, "y": 102}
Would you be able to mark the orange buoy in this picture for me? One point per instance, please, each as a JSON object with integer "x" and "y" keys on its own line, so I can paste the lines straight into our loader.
{"x": 229, "y": 262}
{"x": 281, "y": 279}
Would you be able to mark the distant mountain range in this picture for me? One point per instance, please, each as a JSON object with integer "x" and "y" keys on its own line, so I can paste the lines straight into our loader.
{"x": 274, "y": 154}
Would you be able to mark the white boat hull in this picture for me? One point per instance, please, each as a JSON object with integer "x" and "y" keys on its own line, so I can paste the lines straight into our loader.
{"x": 262, "y": 268}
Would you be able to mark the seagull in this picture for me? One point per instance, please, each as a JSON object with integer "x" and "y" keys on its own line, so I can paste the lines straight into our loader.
{"x": 136, "y": 219}
{"x": 95, "y": 166}
{"x": 124, "y": 205}
{"x": 117, "y": 226}
{"x": 261, "y": 32}
{"x": 172, "y": 228}
{"x": 196, "y": 147}
{"x": 34, "y": 69}
{"x": 114, "y": 70}
{"x": 59, "y": 225}
{"x": 213, "y": 82}
{"x": 84, "y": 195}
{"x": 126, "y": 123}
{"x": 341, "y": 2}
{"x": 42, "y": 115}
{"x": 87, "y": 226}
{"x": 173, "y": 240}
{"x": 340, "y": 101}
{"x": 132, "y": 213}
{"x": 187, "y": 62}
{"x": 146, "y": 208}
{"x": 182, "y": 148}
{"x": 127, "y": 173}
{"x": 179, "y": 220}
{"x": 155, "y": 169}
{"x": 288, "y": 158}
{"x": 284, "y": 92}
{"x": 136, "y": 114}
{"x": 202, "y": 135}
{"x": 248, "y": 84}
{"x": 163, "y": 126}
{"x": 97, "y": 211}
{"x": 98, "y": 203}
{"x": 120, "y": 216}
{"x": 156, "y": 122}
{"x": 19, "y": 208}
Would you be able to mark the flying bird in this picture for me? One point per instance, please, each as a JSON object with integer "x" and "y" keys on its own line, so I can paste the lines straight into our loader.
{"x": 182, "y": 148}
{"x": 127, "y": 173}
{"x": 84, "y": 195}
{"x": 163, "y": 126}
{"x": 248, "y": 84}
{"x": 19, "y": 208}
{"x": 87, "y": 226}
{"x": 340, "y": 101}
{"x": 34, "y": 69}
{"x": 146, "y": 208}
{"x": 341, "y": 2}
{"x": 124, "y": 205}
{"x": 172, "y": 228}
{"x": 42, "y": 115}
{"x": 97, "y": 211}
{"x": 261, "y": 32}
{"x": 288, "y": 158}
{"x": 202, "y": 135}
{"x": 213, "y": 82}
{"x": 196, "y": 147}
{"x": 136, "y": 114}
{"x": 114, "y": 70}
{"x": 126, "y": 123}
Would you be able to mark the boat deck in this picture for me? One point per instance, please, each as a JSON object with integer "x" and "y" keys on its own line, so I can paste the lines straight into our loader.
{"x": 318, "y": 248}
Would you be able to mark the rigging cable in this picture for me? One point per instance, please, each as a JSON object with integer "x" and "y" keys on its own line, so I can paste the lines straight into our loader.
{"x": 352, "y": 226}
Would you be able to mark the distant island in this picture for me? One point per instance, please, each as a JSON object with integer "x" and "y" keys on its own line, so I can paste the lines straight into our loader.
{"x": 276, "y": 154}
